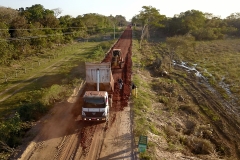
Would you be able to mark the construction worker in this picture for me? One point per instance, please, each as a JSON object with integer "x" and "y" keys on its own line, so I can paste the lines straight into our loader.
{"x": 120, "y": 81}
{"x": 133, "y": 86}
{"x": 134, "y": 90}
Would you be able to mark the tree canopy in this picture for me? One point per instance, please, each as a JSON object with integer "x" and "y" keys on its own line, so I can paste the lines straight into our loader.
{"x": 30, "y": 29}
{"x": 203, "y": 26}
{"x": 35, "y": 27}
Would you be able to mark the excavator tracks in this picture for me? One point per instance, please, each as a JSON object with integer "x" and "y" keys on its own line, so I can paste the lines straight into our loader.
{"x": 204, "y": 98}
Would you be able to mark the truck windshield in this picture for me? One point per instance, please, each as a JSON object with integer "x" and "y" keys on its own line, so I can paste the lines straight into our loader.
{"x": 94, "y": 103}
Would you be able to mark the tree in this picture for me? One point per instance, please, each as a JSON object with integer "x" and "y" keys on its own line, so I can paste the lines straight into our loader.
{"x": 4, "y": 32}
{"x": 7, "y": 15}
{"x": 36, "y": 13}
{"x": 9, "y": 129}
{"x": 78, "y": 23}
{"x": 174, "y": 26}
{"x": 234, "y": 21}
{"x": 203, "y": 26}
{"x": 150, "y": 18}
{"x": 179, "y": 44}
{"x": 66, "y": 21}
{"x": 50, "y": 21}
{"x": 6, "y": 50}
{"x": 18, "y": 27}
{"x": 57, "y": 12}
{"x": 94, "y": 22}
{"x": 135, "y": 20}
{"x": 19, "y": 36}
{"x": 120, "y": 20}
{"x": 192, "y": 20}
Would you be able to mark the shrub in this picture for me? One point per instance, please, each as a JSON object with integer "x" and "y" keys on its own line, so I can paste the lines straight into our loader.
{"x": 163, "y": 99}
{"x": 153, "y": 129}
{"x": 98, "y": 52}
{"x": 31, "y": 111}
{"x": 9, "y": 129}
{"x": 140, "y": 127}
{"x": 189, "y": 127}
{"x": 106, "y": 45}
{"x": 145, "y": 156}
{"x": 53, "y": 94}
{"x": 200, "y": 146}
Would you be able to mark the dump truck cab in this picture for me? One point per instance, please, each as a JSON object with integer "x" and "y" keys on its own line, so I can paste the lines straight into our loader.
{"x": 117, "y": 59}
{"x": 96, "y": 106}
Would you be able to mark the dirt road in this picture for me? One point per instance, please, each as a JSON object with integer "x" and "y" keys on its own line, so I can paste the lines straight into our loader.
{"x": 61, "y": 136}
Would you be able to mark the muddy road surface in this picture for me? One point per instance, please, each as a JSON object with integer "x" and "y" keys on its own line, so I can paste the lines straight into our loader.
{"x": 61, "y": 135}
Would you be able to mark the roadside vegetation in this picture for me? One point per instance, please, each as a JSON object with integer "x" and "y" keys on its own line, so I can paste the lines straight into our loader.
{"x": 40, "y": 59}
{"x": 201, "y": 40}
{"x": 38, "y": 95}
{"x": 40, "y": 56}
{"x": 170, "y": 107}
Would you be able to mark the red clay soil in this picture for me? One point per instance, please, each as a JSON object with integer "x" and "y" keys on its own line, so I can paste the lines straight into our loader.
{"x": 121, "y": 97}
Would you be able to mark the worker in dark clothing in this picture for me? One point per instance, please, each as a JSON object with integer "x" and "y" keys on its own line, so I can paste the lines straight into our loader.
{"x": 134, "y": 90}
{"x": 133, "y": 86}
{"x": 120, "y": 81}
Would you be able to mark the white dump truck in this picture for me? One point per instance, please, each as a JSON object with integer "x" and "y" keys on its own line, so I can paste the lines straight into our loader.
{"x": 97, "y": 94}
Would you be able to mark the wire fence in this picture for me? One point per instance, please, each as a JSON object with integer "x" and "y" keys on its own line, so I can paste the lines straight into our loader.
{"x": 21, "y": 71}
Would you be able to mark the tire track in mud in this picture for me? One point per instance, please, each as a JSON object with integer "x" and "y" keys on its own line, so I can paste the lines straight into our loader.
{"x": 77, "y": 142}
{"x": 92, "y": 136}
{"x": 36, "y": 146}
{"x": 87, "y": 136}
{"x": 225, "y": 126}
{"x": 96, "y": 143}
{"x": 68, "y": 147}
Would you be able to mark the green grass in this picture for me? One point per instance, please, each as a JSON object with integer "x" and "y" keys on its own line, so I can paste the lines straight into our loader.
{"x": 39, "y": 93}
{"x": 69, "y": 67}
{"x": 210, "y": 113}
{"x": 217, "y": 61}
{"x": 221, "y": 59}
{"x": 143, "y": 104}
{"x": 153, "y": 129}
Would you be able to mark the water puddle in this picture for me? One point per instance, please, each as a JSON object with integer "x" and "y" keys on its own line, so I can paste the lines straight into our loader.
{"x": 228, "y": 104}
{"x": 225, "y": 86}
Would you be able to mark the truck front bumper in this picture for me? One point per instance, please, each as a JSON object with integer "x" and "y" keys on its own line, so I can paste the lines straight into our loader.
{"x": 94, "y": 118}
